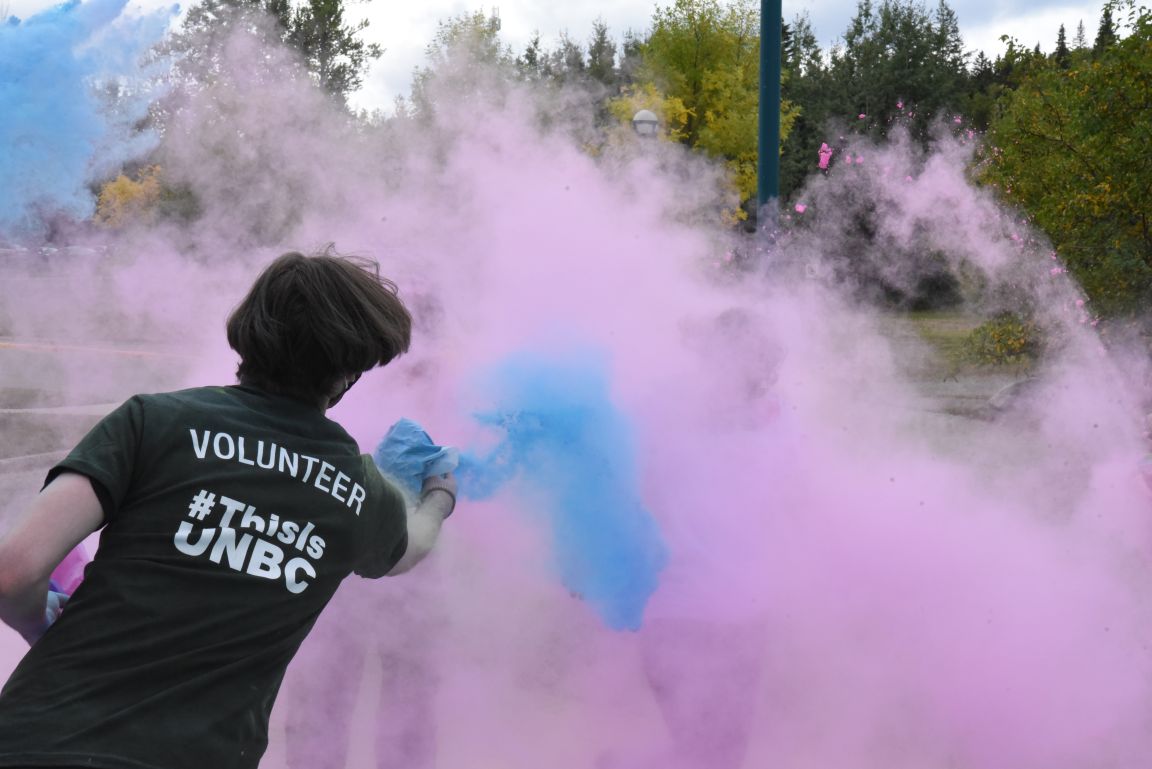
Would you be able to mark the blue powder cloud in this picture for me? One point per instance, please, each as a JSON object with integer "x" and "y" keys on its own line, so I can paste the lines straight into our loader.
{"x": 568, "y": 452}
{"x": 57, "y": 133}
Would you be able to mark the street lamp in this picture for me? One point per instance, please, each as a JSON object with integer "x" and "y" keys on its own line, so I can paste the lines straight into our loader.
{"x": 768, "y": 171}
{"x": 645, "y": 123}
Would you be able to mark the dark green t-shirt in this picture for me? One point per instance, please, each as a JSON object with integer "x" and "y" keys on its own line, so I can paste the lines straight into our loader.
{"x": 231, "y": 517}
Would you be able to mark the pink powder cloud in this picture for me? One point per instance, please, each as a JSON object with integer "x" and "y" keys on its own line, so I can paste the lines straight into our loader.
{"x": 855, "y": 580}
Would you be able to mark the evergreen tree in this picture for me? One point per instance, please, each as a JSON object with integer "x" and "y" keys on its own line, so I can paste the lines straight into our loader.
{"x": 807, "y": 58}
{"x": 950, "y": 54}
{"x": 786, "y": 44}
{"x": 1081, "y": 41}
{"x": 467, "y": 60}
{"x": 631, "y": 57}
{"x": 566, "y": 63}
{"x": 983, "y": 72}
{"x": 532, "y": 61}
{"x": 1062, "y": 56}
{"x": 896, "y": 59}
{"x": 602, "y": 55}
{"x": 331, "y": 51}
{"x": 805, "y": 85}
{"x": 1106, "y": 33}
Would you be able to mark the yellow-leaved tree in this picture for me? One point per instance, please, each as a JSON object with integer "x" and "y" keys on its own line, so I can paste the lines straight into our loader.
{"x": 125, "y": 201}
{"x": 700, "y": 72}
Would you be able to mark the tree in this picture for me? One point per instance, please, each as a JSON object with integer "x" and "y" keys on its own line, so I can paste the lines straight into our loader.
{"x": 897, "y": 60}
{"x": 631, "y": 57}
{"x": 531, "y": 62}
{"x": 787, "y": 43}
{"x": 1106, "y": 33}
{"x": 123, "y": 201}
{"x": 950, "y": 59}
{"x": 806, "y": 84}
{"x": 1081, "y": 41}
{"x": 467, "y": 59}
{"x": 142, "y": 199}
{"x": 1062, "y": 56}
{"x": 1071, "y": 150}
{"x": 896, "y": 64}
{"x": 705, "y": 56}
{"x": 566, "y": 64}
{"x": 331, "y": 51}
{"x": 602, "y": 55}
{"x": 695, "y": 44}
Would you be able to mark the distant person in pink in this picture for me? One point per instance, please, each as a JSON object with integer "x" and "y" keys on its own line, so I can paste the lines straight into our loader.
{"x": 825, "y": 156}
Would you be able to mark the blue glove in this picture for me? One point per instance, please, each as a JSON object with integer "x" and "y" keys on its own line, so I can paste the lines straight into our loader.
{"x": 408, "y": 455}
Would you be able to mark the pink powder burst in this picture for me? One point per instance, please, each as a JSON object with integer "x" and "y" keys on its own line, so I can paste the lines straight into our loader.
{"x": 801, "y": 208}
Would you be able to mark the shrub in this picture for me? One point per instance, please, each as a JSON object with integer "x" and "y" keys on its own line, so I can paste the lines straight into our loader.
{"x": 1005, "y": 339}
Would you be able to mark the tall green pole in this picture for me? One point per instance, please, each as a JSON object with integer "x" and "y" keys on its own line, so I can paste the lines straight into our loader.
{"x": 770, "y": 73}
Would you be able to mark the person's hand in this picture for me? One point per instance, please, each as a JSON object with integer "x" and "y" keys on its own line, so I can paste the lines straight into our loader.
{"x": 53, "y": 608}
{"x": 445, "y": 483}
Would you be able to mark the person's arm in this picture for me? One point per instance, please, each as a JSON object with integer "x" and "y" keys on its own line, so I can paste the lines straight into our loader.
{"x": 59, "y": 518}
{"x": 437, "y": 499}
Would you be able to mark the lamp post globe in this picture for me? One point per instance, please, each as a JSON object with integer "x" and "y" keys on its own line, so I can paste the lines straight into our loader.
{"x": 645, "y": 123}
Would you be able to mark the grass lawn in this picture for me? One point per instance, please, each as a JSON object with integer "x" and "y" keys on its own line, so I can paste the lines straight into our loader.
{"x": 946, "y": 333}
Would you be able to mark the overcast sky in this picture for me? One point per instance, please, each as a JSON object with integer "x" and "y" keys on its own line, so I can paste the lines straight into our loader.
{"x": 405, "y": 28}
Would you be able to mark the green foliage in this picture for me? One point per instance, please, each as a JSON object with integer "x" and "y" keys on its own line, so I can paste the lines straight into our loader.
{"x": 602, "y": 55}
{"x": 898, "y": 53}
{"x": 1071, "y": 149}
{"x": 1062, "y": 56}
{"x": 1106, "y": 34}
{"x": 672, "y": 112}
{"x": 806, "y": 85}
{"x": 142, "y": 199}
{"x": 898, "y": 63}
{"x": 1005, "y": 339}
{"x": 333, "y": 51}
{"x": 124, "y": 201}
{"x": 705, "y": 56}
{"x": 699, "y": 50}
{"x": 330, "y": 50}
{"x": 467, "y": 59}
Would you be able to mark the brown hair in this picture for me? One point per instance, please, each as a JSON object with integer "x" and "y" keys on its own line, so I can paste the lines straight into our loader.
{"x": 310, "y": 320}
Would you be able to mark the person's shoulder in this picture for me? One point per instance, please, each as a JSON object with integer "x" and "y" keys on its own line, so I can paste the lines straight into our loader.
{"x": 192, "y": 396}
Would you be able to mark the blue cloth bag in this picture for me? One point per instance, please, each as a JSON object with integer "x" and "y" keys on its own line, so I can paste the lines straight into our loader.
{"x": 408, "y": 456}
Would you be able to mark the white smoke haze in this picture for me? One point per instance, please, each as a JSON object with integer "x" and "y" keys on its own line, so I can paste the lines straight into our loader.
{"x": 857, "y": 577}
